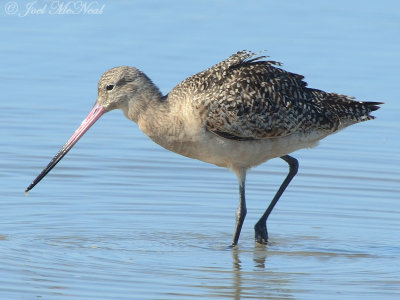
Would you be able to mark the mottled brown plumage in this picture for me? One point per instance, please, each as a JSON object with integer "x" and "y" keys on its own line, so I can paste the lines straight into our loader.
{"x": 245, "y": 98}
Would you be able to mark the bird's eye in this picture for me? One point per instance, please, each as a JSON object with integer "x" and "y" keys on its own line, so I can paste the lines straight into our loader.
{"x": 109, "y": 87}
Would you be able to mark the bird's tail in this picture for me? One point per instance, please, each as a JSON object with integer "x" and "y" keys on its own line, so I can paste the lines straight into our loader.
{"x": 349, "y": 110}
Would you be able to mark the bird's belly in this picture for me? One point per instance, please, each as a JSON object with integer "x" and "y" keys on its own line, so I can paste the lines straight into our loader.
{"x": 223, "y": 152}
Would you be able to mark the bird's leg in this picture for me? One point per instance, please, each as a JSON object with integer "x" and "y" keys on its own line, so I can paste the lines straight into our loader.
{"x": 241, "y": 210}
{"x": 261, "y": 233}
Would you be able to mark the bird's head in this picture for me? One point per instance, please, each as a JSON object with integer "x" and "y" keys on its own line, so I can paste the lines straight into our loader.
{"x": 118, "y": 86}
{"x": 125, "y": 88}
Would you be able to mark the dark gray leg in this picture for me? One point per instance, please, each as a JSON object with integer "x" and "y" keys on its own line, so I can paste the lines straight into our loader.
{"x": 261, "y": 233}
{"x": 240, "y": 212}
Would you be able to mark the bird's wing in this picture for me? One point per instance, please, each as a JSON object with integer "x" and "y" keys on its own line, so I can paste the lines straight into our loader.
{"x": 246, "y": 97}
{"x": 251, "y": 98}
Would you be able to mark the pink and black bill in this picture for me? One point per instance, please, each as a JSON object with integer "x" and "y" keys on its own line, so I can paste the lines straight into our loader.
{"x": 96, "y": 112}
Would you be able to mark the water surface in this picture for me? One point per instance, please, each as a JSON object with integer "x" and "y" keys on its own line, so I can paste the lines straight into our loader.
{"x": 122, "y": 218}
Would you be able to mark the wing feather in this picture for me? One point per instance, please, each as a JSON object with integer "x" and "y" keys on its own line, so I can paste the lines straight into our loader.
{"x": 246, "y": 97}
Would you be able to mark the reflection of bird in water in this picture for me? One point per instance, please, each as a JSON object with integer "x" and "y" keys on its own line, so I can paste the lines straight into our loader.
{"x": 237, "y": 114}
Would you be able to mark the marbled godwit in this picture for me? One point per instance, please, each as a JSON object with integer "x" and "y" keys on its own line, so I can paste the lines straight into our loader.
{"x": 237, "y": 114}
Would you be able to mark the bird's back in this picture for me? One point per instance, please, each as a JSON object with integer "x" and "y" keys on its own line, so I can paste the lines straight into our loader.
{"x": 248, "y": 98}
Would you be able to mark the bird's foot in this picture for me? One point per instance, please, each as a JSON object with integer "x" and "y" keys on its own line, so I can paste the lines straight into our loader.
{"x": 261, "y": 233}
{"x": 232, "y": 246}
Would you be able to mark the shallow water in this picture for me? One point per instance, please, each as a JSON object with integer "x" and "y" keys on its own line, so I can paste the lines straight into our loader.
{"x": 122, "y": 218}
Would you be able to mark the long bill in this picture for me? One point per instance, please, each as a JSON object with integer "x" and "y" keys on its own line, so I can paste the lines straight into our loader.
{"x": 96, "y": 112}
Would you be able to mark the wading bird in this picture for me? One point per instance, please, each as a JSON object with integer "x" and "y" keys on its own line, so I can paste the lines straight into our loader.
{"x": 237, "y": 114}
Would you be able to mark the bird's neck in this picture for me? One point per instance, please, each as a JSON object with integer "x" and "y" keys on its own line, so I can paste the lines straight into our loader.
{"x": 167, "y": 121}
{"x": 145, "y": 99}
{"x": 150, "y": 110}
{"x": 155, "y": 117}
